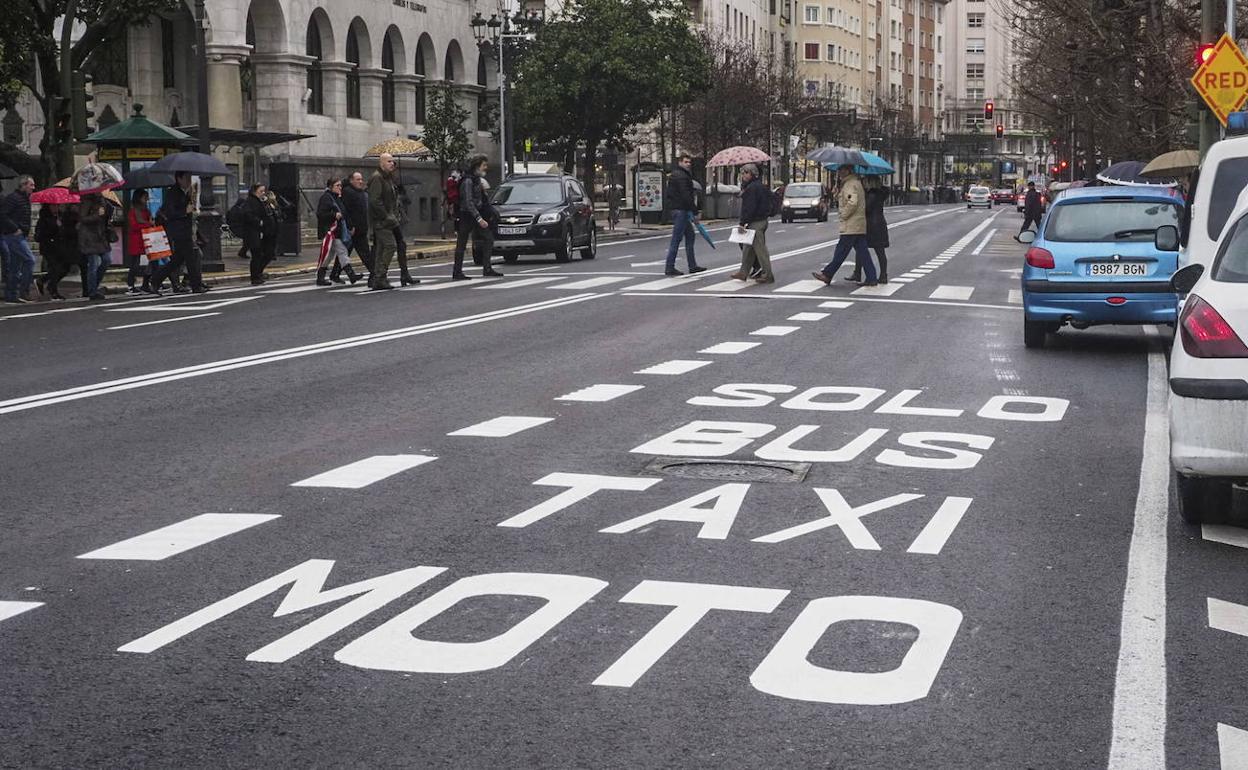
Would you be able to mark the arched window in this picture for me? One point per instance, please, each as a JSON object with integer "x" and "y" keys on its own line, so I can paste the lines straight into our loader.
{"x": 316, "y": 83}
{"x": 419, "y": 69}
{"x": 387, "y": 85}
{"x": 483, "y": 97}
{"x": 353, "y": 74}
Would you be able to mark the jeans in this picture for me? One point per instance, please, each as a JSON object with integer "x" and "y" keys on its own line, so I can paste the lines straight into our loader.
{"x": 19, "y": 264}
{"x": 682, "y": 227}
{"x": 863, "y": 257}
{"x": 96, "y": 265}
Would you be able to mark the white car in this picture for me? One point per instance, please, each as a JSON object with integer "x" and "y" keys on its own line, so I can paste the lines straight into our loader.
{"x": 1208, "y": 401}
{"x": 979, "y": 196}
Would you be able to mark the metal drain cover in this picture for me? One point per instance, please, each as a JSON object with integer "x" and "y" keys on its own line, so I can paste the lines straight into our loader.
{"x": 730, "y": 470}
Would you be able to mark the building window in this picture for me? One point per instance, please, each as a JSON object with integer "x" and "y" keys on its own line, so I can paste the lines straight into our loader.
{"x": 940, "y": 44}
{"x": 974, "y": 122}
{"x": 975, "y": 94}
{"x": 831, "y": 52}
{"x": 812, "y": 14}
{"x": 974, "y": 45}
{"x": 975, "y": 20}
{"x": 353, "y": 75}
{"x": 168, "y": 60}
{"x": 110, "y": 64}
{"x": 811, "y": 52}
{"x": 831, "y": 17}
{"x": 387, "y": 85}
{"x": 316, "y": 81}
{"x": 975, "y": 70}
{"x": 420, "y": 84}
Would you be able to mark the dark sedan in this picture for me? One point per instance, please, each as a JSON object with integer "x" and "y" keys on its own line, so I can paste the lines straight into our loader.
{"x": 544, "y": 214}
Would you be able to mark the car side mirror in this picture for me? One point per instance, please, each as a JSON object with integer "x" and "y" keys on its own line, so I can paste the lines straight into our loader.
{"x": 1184, "y": 279}
{"x": 1027, "y": 236}
{"x": 1167, "y": 238}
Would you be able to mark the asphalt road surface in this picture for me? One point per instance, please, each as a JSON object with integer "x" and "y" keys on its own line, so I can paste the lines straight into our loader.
{"x": 588, "y": 516}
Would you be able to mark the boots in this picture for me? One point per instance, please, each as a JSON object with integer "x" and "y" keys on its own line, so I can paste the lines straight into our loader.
{"x": 352, "y": 276}
{"x": 321, "y": 280}
{"x": 883, "y": 277}
{"x": 405, "y": 278}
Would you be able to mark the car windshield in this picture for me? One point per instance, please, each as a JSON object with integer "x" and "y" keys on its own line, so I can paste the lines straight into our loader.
{"x": 1232, "y": 177}
{"x": 1232, "y": 262}
{"x": 522, "y": 191}
{"x": 979, "y": 190}
{"x": 1107, "y": 221}
{"x": 803, "y": 191}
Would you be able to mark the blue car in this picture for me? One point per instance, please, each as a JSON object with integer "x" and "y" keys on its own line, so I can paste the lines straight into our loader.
{"x": 1103, "y": 255}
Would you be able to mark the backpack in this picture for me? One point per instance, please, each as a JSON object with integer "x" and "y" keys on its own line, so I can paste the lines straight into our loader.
{"x": 234, "y": 217}
{"x": 777, "y": 202}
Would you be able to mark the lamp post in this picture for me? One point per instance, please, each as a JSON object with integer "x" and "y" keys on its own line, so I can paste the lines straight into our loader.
{"x": 770, "y": 137}
{"x": 492, "y": 35}
{"x": 784, "y": 175}
{"x": 209, "y": 219}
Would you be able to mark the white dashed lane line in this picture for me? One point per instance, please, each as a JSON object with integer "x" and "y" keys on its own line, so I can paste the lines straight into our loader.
{"x": 500, "y": 427}
{"x": 160, "y": 544}
{"x": 601, "y": 392}
{"x": 774, "y": 331}
{"x": 730, "y": 348}
{"x": 808, "y": 316}
{"x": 13, "y": 609}
{"x": 677, "y": 366}
{"x": 362, "y": 473}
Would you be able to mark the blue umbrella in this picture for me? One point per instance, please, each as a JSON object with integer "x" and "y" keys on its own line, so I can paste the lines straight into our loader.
{"x": 871, "y": 165}
{"x": 702, "y": 231}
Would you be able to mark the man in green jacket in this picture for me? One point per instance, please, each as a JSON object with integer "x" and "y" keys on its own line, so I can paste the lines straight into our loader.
{"x": 383, "y": 214}
{"x": 852, "y": 205}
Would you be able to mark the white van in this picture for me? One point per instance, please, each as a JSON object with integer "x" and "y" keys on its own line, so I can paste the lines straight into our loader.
{"x": 1223, "y": 175}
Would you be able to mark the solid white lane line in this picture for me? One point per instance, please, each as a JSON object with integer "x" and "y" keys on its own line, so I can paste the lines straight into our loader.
{"x": 499, "y": 427}
{"x": 1232, "y": 747}
{"x": 677, "y": 366}
{"x": 1220, "y": 533}
{"x": 730, "y": 348}
{"x": 161, "y": 321}
{"x": 519, "y": 283}
{"x": 984, "y": 242}
{"x": 835, "y": 304}
{"x": 361, "y": 473}
{"x": 178, "y": 538}
{"x": 1015, "y": 297}
{"x": 603, "y": 392}
{"x": 952, "y": 292}
{"x": 1228, "y": 616}
{"x": 803, "y": 287}
{"x": 12, "y": 609}
{"x": 774, "y": 331}
{"x": 1138, "y": 738}
{"x": 729, "y": 285}
{"x": 199, "y": 370}
{"x": 591, "y": 283}
{"x": 808, "y": 316}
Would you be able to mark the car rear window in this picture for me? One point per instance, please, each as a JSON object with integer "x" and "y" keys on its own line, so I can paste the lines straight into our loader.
{"x": 1228, "y": 182}
{"x": 1097, "y": 221}
{"x": 521, "y": 191}
{"x": 803, "y": 190}
{"x": 1231, "y": 264}
{"x": 978, "y": 190}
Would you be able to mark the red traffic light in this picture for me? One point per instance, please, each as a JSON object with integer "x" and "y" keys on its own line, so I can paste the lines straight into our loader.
{"x": 1204, "y": 52}
{"x": 1000, "y": 130}
{"x": 988, "y": 107}
{"x": 1065, "y": 164}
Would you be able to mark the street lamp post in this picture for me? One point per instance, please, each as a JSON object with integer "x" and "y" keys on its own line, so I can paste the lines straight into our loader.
{"x": 492, "y": 36}
{"x": 209, "y": 219}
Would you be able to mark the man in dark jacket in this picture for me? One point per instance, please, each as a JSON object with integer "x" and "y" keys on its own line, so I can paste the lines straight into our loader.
{"x": 383, "y": 216}
{"x": 19, "y": 259}
{"x": 755, "y": 209}
{"x": 474, "y": 219}
{"x": 355, "y": 201}
{"x": 1031, "y": 208}
{"x": 682, "y": 201}
{"x": 175, "y": 215}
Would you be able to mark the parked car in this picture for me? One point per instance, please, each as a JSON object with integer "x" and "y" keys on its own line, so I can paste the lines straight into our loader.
{"x": 805, "y": 200}
{"x": 544, "y": 214}
{"x": 1103, "y": 255}
{"x": 978, "y": 196}
{"x": 1002, "y": 195}
{"x": 1223, "y": 174}
{"x": 1208, "y": 401}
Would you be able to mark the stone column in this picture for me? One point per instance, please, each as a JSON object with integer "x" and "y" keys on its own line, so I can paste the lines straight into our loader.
{"x": 281, "y": 80}
{"x": 225, "y": 89}
{"x": 370, "y": 94}
{"x": 334, "y": 82}
{"x": 405, "y": 100}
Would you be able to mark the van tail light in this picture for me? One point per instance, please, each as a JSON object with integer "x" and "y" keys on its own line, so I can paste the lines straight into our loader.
{"x": 1038, "y": 257}
{"x": 1206, "y": 334}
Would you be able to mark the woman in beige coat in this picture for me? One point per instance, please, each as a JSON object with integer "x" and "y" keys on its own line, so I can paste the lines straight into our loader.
{"x": 852, "y": 204}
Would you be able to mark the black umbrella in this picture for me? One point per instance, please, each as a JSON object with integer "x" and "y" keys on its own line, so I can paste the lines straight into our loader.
{"x": 1127, "y": 172}
{"x": 6, "y": 172}
{"x": 144, "y": 178}
{"x": 195, "y": 163}
{"x": 841, "y": 156}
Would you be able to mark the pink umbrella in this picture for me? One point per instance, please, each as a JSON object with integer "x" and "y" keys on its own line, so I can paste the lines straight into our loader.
{"x": 739, "y": 155}
{"x": 54, "y": 195}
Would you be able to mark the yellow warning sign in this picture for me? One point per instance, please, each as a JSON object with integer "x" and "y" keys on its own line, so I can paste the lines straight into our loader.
{"x": 1223, "y": 79}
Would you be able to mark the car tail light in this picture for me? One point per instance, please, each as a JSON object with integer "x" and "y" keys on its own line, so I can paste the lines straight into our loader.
{"x": 1206, "y": 334}
{"x": 1116, "y": 300}
{"x": 1038, "y": 257}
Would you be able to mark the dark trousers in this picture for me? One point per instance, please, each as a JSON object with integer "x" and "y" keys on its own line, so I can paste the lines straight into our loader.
{"x": 859, "y": 244}
{"x": 1029, "y": 220}
{"x": 359, "y": 245}
{"x": 880, "y": 255}
{"x": 262, "y": 251}
{"x": 58, "y": 268}
{"x": 481, "y": 236}
{"x": 183, "y": 256}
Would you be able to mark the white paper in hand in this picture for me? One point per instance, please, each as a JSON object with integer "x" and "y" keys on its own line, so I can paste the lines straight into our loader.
{"x": 737, "y": 236}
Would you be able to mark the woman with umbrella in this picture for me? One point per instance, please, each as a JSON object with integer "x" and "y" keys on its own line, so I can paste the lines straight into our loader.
{"x": 93, "y": 241}
{"x": 258, "y": 223}
{"x": 877, "y": 229}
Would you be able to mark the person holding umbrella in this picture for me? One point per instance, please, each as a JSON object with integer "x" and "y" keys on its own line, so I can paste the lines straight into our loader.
{"x": 755, "y": 209}
{"x": 330, "y": 215}
{"x": 175, "y": 214}
{"x": 93, "y": 241}
{"x": 852, "y": 206}
{"x": 877, "y": 229}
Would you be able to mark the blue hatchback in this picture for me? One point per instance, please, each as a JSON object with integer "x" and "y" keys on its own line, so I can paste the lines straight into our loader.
{"x": 1103, "y": 255}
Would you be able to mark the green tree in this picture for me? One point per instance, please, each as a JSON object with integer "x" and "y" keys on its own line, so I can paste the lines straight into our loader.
{"x": 446, "y": 128}
{"x": 602, "y": 67}
{"x": 29, "y": 37}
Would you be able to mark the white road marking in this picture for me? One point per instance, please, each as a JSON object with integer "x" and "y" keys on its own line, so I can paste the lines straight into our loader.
{"x": 1228, "y": 616}
{"x": 1138, "y": 738}
{"x": 13, "y": 609}
{"x": 676, "y": 366}
{"x": 984, "y": 242}
{"x": 177, "y": 538}
{"x": 294, "y": 289}
{"x": 882, "y": 290}
{"x": 500, "y": 427}
{"x": 544, "y": 269}
{"x": 1232, "y": 747}
{"x": 860, "y": 296}
{"x": 603, "y": 392}
{"x": 941, "y": 526}
{"x": 804, "y": 286}
{"x": 912, "y": 275}
{"x": 902, "y": 279}
{"x": 447, "y": 284}
{"x": 361, "y": 473}
{"x": 161, "y": 321}
{"x": 835, "y": 304}
{"x": 774, "y": 331}
{"x": 952, "y": 292}
{"x": 730, "y": 348}
{"x": 591, "y": 283}
{"x": 155, "y": 378}
{"x": 664, "y": 283}
{"x": 723, "y": 286}
{"x": 650, "y": 264}
{"x": 623, "y": 256}
{"x": 1220, "y": 533}
{"x": 922, "y": 270}
{"x": 181, "y": 306}
{"x": 520, "y": 283}
{"x": 1015, "y": 297}
{"x": 808, "y": 316}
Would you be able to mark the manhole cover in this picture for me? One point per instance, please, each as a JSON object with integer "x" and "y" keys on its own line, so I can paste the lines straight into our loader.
{"x": 730, "y": 470}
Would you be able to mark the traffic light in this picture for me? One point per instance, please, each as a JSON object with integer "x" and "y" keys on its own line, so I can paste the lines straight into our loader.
{"x": 80, "y": 101}
{"x": 1203, "y": 52}
{"x": 1000, "y": 130}
{"x": 1064, "y": 164}
{"x": 988, "y": 107}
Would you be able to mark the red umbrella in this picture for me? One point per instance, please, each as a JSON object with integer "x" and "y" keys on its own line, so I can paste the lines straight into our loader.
{"x": 737, "y": 156}
{"x": 54, "y": 195}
